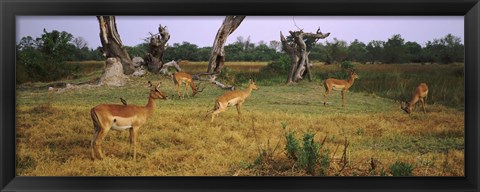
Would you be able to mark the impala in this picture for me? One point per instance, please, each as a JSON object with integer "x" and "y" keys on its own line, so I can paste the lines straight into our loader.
{"x": 420, "y": 93}
{"x": 232, "y": 98}
{"x": 121, "y": 117}
{"x": 180, "y": 78}
{"x": 338, "y": 85}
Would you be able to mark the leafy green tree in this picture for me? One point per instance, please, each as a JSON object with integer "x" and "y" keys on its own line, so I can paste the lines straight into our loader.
{"x": 414, "y": 52}
{"x": 264, "y": 53}
{"x": 43, "y": 59}
{"x": 234, "y": 51}
{"x": 184, "y": 51}
{"x": 203, "y": 53}
{"x": 357, "y": 51}
{"x": 27, "y": 56}
{"x": 318, "y": 52}
{"x": 394, "y": 50}
{"x": 337, "y": 51}
{"x": 375, "y": 51}
{"x": 138, "y": 50}
{"x": 447, "y": 49}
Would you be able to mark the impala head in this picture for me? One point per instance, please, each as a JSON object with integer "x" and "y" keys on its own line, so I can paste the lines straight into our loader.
{"x": 405, "y": 107}
{"x": 354, "y": 74}
{"x": 155, "y": 93}
{"x": 195, "y": 89}
{"x": 252, "y": 85}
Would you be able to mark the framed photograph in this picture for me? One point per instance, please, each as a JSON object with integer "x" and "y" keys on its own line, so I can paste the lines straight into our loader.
{"x": 212, "y": 95}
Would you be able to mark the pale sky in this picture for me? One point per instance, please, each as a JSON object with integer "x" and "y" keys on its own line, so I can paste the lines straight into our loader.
{"x": 201, "y": 30}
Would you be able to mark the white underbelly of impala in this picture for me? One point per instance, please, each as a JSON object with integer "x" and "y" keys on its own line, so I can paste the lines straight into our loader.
{"x": 120, "y": 124}
{"x": 338, "y": 87}
{"x": 233, "y": 102}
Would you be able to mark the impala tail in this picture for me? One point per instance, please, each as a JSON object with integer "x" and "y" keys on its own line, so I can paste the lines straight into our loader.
{"x": 96, "y": 128}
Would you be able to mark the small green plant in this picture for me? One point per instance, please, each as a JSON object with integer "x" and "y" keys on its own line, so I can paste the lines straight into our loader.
{"x": 261, "y": 158}
{"x": 292, "y": 147}
{"x": 307, "y": 156}
{"x": 401, "y": 169}
{"x": 324, "y": 162}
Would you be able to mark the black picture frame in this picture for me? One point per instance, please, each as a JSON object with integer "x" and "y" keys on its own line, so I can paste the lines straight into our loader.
{"x": 470, "y": 9}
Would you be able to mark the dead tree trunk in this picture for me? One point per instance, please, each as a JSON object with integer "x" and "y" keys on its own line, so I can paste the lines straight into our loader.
{"x": 298, "y": 53}
{"x": 112, "y": 44}
{"x": 217, "y": 57}
{"x": 158, "y": 45}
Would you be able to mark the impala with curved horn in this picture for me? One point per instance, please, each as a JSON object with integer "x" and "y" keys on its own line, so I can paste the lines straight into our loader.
{"x": 121, "y": 117}
{"x": 339, "y": 85}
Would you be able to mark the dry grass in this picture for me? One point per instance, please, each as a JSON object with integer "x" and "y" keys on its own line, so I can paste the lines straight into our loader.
{"x": 235, "y": 66}
{"x": 53, "y": 137}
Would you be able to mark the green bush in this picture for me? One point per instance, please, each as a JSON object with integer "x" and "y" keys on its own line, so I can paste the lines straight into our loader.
{"x": 292, "y": 147}
{"x": 281, "y": 66}
{"x": 307, "y": 156}
{"x": 346, "y": 65}
{"x": 401, "y": 169}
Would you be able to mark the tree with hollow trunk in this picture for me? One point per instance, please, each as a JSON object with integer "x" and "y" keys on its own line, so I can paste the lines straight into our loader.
{"x": 298, "y": 50}
{"x": 157, "y": 46}
{"x": 217, "y": 57}
{"x": 112, "y": 44}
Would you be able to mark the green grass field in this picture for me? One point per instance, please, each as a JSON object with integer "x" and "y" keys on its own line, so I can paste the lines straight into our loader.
{"x": 54, "y": 133}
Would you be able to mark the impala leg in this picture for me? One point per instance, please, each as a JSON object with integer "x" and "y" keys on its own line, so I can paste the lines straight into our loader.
{"x": 423, "y": 105}
{"x": 177, "y": 86}
{"x": 343, "y": 98}
{"x": 325, "y": 97}
{"x": 425, "y": 101}
{"x": 216, "y": 112}
{"x": 239, "y": 106}
{"x": 98, "y": 143}
{"x": 186, "y": 90}
{"x": 92, "y": 144}
{"x": 133, "y": 135}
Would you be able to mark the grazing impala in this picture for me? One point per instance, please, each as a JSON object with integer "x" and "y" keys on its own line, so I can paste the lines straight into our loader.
{"x": 232, "y": 98}
{"x": 338, "y": 85}
{"x": 420, "y": 93}
{"x": 180, "y": 78}
{"x": 121, "y": 117}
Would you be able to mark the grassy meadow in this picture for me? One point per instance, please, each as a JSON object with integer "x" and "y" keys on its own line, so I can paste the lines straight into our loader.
{"x": 366, "y": 138}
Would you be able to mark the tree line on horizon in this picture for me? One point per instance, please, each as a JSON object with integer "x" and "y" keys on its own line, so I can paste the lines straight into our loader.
{"x": 44, "y": 58}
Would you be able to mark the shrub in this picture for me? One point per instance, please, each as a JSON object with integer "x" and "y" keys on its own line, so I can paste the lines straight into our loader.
{"x": 307, "y": 156}
{"x": 346, "y": 65}
{"x": 401, "y": 169}
{"x": 292, "y": 147}
{"x": 280, "y": 66}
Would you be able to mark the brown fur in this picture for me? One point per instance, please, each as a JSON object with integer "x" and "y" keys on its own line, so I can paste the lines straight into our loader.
{"x": 180, "y": 78}
{"x": 330, "y": 83}
{"x": 419, "y": 94}
{"x": 236, "y": 98}
{"x": 104, "y": 116}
